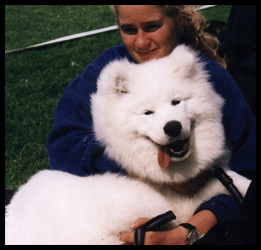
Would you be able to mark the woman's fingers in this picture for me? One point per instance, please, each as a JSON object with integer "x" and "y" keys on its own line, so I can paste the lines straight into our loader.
{"x": 139, "y": 222}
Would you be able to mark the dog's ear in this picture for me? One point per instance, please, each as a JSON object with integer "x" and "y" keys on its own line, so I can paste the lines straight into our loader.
{"x": 119, "y": 77}
{"x": 120, "y": 86}
{"x": 184, "y": 61}
{"x": 114, "y": 78}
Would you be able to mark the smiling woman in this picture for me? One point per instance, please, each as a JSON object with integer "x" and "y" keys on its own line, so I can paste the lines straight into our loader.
{"x": 146, "y": 32}
{"x": 153, "y": 31}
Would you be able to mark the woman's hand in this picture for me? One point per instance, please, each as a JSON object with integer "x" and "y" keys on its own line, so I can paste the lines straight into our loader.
{"x": 203, "y": 221}
{"x": 176, "y": 236}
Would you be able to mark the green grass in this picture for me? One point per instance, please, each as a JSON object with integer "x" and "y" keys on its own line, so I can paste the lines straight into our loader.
{"x": 35, "y": 79}
{"x": 31, "y": 24}
{"x": 220, "y": 13}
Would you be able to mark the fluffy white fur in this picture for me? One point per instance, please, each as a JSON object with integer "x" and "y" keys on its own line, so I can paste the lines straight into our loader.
{"x": 59, "y": 208}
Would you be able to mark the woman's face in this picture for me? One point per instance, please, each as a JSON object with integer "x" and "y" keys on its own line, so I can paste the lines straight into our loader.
{"x": 146, "y": 31}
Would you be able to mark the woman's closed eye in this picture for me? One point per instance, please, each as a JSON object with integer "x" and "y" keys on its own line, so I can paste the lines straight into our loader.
{"x": 129, "y": 30}
{"x": 132, "y": 30}
{"x": 152, "y": 27}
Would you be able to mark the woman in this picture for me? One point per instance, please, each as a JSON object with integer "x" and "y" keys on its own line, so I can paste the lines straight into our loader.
{"x": 152, "y": 32}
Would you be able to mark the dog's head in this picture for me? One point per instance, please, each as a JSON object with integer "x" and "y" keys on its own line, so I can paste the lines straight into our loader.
{"x": 160, "y": 120}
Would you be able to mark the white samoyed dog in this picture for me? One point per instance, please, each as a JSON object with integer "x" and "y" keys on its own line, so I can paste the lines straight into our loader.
{"x": 162, "y": 122}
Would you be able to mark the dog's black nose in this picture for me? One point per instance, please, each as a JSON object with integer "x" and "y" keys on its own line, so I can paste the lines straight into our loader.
{"x": 173, "y": 128}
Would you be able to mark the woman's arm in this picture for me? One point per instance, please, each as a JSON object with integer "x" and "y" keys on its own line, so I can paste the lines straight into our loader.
{"x": 240, "y": 130}
{"x": 71, "y": 144}
{"x": 238, "y": 120}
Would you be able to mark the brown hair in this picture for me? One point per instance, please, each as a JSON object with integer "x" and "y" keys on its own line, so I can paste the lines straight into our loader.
{"x": 190, "y": 25}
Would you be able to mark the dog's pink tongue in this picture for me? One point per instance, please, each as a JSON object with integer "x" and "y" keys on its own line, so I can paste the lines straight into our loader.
{"x": 163, "y": 156}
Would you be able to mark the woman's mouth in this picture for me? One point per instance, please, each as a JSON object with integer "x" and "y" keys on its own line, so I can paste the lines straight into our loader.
{"x": 147, "y": 54}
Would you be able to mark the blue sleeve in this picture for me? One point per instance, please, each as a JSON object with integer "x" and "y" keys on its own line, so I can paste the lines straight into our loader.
{"x": 223, "y": 206}
{"x": 239, "y": 122}
{"x": 71, "y": 144}
{"x": 240, "y": 129}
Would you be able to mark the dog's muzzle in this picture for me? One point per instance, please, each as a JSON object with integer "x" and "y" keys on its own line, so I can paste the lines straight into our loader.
{"x": 178, "y": 149}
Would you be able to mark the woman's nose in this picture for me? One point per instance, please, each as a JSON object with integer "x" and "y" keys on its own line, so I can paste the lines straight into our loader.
{"x": 142, "y": 42}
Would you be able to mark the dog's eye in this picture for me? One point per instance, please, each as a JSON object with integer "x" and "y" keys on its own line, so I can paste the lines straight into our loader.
{"x": 148, "y": 112}
{"x": 175, "y": 102}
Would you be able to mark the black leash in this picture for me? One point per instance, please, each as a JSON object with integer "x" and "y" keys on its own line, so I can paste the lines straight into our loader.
{"x": 228, "y": 183}
{"x": 152, "y": 225}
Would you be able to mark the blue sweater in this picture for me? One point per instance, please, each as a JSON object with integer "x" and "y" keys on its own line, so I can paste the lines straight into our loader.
{"x": 72, "y": 148}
